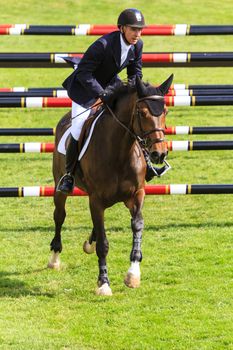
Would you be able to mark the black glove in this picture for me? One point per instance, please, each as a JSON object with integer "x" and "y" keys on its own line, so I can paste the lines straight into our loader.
{"x": 107, "y": 96}
{"x": 131, "y": 82}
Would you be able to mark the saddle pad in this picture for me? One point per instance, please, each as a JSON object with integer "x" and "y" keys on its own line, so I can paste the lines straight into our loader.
{"x": 61, "y": 148}
{"x": 62, "y": 143}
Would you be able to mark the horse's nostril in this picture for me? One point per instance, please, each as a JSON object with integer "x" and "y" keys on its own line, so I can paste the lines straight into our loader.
{"x": 157, "y": 157}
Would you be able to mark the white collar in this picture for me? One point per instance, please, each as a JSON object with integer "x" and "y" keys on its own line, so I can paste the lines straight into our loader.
{"x": 124, "y": 46}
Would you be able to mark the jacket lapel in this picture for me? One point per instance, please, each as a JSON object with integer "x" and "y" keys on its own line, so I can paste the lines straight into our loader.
{"x": 130, "y": 57}
{"x": 116, "y": 50}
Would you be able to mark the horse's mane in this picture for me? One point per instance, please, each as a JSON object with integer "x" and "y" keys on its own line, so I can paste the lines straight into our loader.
{"x": 122, "y": 89}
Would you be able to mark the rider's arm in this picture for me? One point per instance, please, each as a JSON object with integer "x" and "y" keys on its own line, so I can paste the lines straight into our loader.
{"x": 91, "y": 60}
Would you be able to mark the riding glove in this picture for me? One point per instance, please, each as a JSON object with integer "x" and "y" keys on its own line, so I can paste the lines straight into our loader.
{"x": 107, "y": 96}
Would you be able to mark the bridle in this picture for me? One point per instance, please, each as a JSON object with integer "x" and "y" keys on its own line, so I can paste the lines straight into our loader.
{"x": 143, "y": 139}
{"x": 145, "y": 134}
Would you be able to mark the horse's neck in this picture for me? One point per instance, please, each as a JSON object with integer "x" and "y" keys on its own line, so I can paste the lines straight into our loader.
{"x": 119, "y": 126}
{"x": 125, "y": 110}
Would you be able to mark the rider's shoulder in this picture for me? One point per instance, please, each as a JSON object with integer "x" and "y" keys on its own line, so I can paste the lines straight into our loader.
{"x": 109, "y": 38}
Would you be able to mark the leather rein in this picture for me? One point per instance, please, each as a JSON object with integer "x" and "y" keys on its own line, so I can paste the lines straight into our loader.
{"x": 143, "y": 139}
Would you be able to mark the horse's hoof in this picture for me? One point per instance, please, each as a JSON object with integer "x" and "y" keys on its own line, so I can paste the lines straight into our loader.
{"x": 54, "y": 266}
{"x": 89, "y": 248}
{"x": 132, "y": 281}
{"x": 104, "y": 290}
{"x": 54, "y": 262}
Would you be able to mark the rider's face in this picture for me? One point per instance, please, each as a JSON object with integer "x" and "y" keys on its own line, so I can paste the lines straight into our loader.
{"x": 132, "y": 34}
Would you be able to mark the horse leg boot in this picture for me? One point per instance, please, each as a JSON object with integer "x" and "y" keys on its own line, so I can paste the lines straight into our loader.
{"x": 102, "y": 245}
{"x": 132, "y": 279}
{"x": 66, "y": 183}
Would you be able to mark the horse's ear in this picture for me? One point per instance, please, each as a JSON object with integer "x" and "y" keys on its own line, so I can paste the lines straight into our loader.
{"x": 141, "y": 89}
{"x": 164, "y": 87}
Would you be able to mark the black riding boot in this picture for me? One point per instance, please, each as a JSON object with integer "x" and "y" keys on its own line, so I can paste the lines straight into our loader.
{"x": 151, "y": 171}
{"x": 66, "y": 183}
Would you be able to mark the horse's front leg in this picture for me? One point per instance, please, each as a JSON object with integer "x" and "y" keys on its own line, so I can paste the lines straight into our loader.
{"x": 132, "y": 279}
{"x": 102, "y": 246}
{"x": 59, "y": 218}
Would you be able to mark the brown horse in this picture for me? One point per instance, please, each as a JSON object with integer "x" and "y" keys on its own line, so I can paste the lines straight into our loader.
{"x": 113, "y": 170}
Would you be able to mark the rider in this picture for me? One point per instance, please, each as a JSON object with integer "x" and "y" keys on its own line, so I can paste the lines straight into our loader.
{"x": 96, "y": 74}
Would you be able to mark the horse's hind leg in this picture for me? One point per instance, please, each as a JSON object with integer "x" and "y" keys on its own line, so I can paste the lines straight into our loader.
{"x": 97, "y": 214}
{"x": 59, "y": 218}
{"x": 132, "y": 278}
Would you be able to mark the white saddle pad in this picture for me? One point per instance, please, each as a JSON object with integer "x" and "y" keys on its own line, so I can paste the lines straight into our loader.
{"x": 62, "y": 143}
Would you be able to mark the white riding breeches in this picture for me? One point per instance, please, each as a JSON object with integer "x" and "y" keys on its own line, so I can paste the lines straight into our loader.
{"x": 77, "y": 123}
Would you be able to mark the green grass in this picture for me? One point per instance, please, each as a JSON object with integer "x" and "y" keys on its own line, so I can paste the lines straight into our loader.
{"x": 185, "y": 298}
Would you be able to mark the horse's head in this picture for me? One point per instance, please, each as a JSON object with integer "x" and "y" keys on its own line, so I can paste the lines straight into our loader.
{"x": 149, "y": 120}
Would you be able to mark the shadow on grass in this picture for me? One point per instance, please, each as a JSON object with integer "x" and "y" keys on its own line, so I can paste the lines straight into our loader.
{"x": 188, "y": 225}
{"x": 15, "y": 288}
{"x": 50, "y": 229}
{"x": 116, "y": 228}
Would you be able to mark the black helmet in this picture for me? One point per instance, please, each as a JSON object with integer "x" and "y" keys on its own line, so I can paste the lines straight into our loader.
{"x": 132, "y": 18}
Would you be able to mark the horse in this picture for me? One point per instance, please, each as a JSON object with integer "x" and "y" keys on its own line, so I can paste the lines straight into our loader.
{"x": 113, "y": 170}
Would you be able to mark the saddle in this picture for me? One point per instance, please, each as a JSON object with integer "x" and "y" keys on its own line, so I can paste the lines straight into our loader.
{"x": 96, "y": 109}
{"x": 86, "y": 132}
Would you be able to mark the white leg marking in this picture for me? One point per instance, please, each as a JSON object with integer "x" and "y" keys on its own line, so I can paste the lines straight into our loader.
{"x": 132, "y": 279}
{"x": 54, "y": 262}
{"x": 104, "y": 290}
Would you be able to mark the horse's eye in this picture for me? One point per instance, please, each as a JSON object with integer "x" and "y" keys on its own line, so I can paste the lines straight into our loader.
{"x": 144, "y": 112}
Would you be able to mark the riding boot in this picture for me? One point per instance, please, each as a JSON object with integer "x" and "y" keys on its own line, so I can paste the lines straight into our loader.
{"x": 151, "y": 171}
{"x": 66, "y": 183}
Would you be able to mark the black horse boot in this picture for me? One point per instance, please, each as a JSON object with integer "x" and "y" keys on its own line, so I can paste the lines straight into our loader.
{"x": 66, "y": 183}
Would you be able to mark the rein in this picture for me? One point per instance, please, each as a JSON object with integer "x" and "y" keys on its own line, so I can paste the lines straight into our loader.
{"x": 122, "y": 124}
{"x": 142, "y": 140}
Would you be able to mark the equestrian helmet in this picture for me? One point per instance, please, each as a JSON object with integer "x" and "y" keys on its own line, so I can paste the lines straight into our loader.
{"x": 131, "y": 17}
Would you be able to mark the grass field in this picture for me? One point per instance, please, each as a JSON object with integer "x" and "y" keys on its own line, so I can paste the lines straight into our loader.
{"x": 185, "y": 298}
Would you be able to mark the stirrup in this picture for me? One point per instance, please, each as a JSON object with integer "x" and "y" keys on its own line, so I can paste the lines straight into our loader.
{"x": 155, "y": 171}
{"x": 66, "y": 184}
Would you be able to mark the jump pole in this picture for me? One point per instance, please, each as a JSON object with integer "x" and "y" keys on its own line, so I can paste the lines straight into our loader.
{"x": 170, "y": 130}
{"x": 54, "y": 102}
{"x": 101, "y": 29}
{"x": 63, "y": 93}
{"x": 172, "y": 189}
{"x": 175, "y": 87}
{"x": 149, "y": 59}
{"x": 37, "y": 147}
